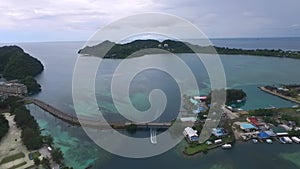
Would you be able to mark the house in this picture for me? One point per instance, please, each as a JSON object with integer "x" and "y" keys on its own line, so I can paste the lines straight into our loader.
{"x": 247, "y": 127}
{"x": 191, "y": 134}
{"x": 254, "y": 121}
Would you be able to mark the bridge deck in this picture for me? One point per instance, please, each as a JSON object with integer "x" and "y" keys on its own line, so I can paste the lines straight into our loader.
{"x": 85, "y": 121}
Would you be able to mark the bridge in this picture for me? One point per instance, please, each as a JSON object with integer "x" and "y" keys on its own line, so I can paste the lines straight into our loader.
{"x": 89, "y": 121}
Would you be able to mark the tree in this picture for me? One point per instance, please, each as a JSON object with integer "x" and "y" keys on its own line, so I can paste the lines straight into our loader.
{"x": 37, "y": 161}
{"x": 57, "y": 155}
{"x": 32, "y": 86}
{"x": 3, "y": 126}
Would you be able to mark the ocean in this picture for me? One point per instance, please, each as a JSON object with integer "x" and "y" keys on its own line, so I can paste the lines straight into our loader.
{"x": 242, "y": 72}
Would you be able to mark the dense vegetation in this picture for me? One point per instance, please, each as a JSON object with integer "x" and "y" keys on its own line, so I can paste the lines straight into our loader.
{"x": 30, "y": 134}
{"x": 32, "y": 86}
{"x": 57, "y": 156}
{"x": 16, "y": 64}
{"x": 263, "y": 112}
{"x": 232, "y": 95}
{"x": 3, "y": 126}
{"x": 124, "y": 50}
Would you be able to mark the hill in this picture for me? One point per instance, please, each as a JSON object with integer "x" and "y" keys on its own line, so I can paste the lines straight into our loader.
{"x": 121, "y": 51}
{"x": 16, "y": 64}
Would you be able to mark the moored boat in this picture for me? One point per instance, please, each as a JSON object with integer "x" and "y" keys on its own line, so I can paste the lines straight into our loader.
{"x": 269, "y": 141}
{"x": 296, "y": 139}
{"x": 281, "y": 139}
{"x": 226, "y": 146}
{"x": 288, "y": 140}
{"x": 254, "y": 141}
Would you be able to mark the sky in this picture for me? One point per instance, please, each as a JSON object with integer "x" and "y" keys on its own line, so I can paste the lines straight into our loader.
{"x": 78, "y": 20}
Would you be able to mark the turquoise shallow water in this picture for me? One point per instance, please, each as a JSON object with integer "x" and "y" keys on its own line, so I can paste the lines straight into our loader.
{"x": 246, "y": 72}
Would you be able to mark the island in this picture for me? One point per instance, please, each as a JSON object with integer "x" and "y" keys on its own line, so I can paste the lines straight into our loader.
{"x": 16, "y": 64}
{"x": 121, "y": 51}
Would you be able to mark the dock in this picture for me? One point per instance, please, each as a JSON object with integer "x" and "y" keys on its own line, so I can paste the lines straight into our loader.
{"x": 279, "y": 95}
{"x": 90, "y": 121}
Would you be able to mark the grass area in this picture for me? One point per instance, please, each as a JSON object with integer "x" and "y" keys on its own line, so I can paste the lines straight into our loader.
{"x": 194, "y": 148}
{"x": 18, "y": 165}
{"x": 12, "y": 158}
{"x": 191, "y": 150}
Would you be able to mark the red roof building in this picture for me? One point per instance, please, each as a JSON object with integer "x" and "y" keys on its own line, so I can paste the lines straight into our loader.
{"x": 254, "y": 121}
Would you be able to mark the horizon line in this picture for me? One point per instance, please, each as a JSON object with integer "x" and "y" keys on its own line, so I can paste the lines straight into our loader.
{"x": 214, "y": 38}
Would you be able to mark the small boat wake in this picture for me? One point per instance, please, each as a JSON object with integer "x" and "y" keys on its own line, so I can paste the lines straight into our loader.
{"x": 153, "y": 136}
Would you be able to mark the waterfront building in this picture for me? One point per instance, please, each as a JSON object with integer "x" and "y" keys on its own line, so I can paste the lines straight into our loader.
{"x": 254, "y": 121}
{"x": 247, "y": 127}
{"x": 191, "y": 134}
{"x": 13, "y": 89}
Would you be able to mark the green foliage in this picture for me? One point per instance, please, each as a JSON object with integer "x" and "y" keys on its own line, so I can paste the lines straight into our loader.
{"x": 65, "y": 167}
{"x": 12, "y": 158}
{"x": 37, "y": 161}
{"x": 48, "y": 139}
{"x": 262, "y": 112}
{"x": 291, "y": 118}
{"x": 57, "y": 156}
{"x": 271, "y": 120}
{"x": 45, "y": 162}
{"x": 294, "y": 133}
{"x": 124, "y": 50}
{"x": 16, "y": 64}
{"x": 30, "y": 134}
{"x": 32, "y": 86}
{"x": 232, "y": 95}
{"x": 31, "y": 139}
{"x": 3, "y": 126}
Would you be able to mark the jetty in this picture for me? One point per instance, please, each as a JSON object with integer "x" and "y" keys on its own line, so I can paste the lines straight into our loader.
{"x": 90, "y": 121}
{"x": 279, "y": 95}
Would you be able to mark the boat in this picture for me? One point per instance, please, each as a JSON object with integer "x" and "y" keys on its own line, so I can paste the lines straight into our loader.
{"x": 254, "y": 141}
{"x": 282, "y": 140}
{"x": 269, "y": 141}
{"x": 226, "y": 146}
{"x": 296, "y": 139}
{"x": 288, "y": 140}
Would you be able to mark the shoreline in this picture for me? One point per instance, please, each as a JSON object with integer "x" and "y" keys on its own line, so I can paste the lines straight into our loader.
{"x": 262, "y": 88}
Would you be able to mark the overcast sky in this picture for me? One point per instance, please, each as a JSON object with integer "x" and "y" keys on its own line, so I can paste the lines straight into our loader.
{"x": 67, "y": 20}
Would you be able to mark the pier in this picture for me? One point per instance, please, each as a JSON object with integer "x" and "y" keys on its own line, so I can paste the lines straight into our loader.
{"x": 279, "y": 95}
{"x": 89, "y": 121}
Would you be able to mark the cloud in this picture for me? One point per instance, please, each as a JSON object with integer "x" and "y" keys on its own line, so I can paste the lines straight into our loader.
{"x": 232, "y": 18}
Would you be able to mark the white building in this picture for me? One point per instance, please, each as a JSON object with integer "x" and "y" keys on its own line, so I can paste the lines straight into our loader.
{"x": 191, "y": 134}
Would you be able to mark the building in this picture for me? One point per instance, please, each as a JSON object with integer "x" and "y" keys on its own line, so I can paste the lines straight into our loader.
{"x": 13, "y": 89}
{"x": 255, "y": 121}
{"x": 219, "y": 132}
{"x": 247, "y": 127}
{"x": 191, "y": 134}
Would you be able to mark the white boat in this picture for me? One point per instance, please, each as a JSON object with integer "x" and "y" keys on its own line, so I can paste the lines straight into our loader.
{"x": 269, "y": 141}
{"x": 282, "y": 140}
{"x": 226, "y": 146}
{"x": 254, "y": 141}
{"x": 296, "y": 139}
{"x": 288, "y": 140}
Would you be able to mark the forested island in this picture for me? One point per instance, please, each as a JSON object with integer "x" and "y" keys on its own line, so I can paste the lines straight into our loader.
{"x": 16, "y": 64}
{"x": 120, "y": 51}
